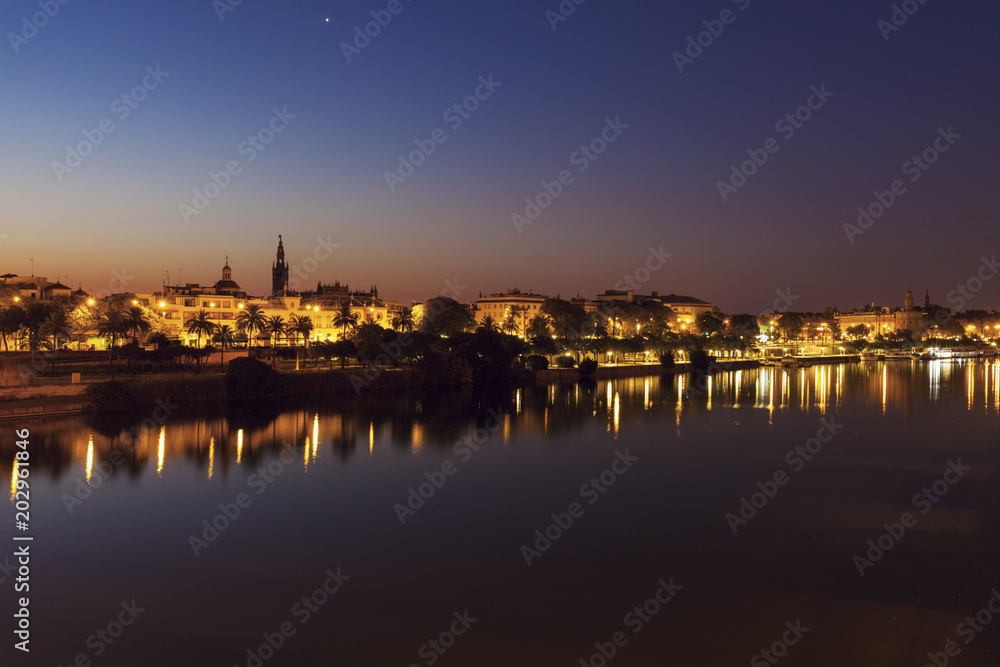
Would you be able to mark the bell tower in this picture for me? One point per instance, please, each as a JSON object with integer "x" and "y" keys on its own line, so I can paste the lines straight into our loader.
{"x": 279, "y": 271}
{"x": 908, "y": 300}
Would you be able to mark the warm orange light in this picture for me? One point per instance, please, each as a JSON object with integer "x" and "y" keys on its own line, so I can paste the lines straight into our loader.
{"x": 134, "y": 302}
{"x": 240, "y": 306}
{"x": 17, "y": 298}
{"x": 90, "y": 302}
{"x": 162, "y": 304}
{"x": 211, "y": 305}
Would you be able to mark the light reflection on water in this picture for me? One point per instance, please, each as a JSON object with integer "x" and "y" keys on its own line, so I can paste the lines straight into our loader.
{"x": 892, "y": 386}
{"x": 701, "y": 446}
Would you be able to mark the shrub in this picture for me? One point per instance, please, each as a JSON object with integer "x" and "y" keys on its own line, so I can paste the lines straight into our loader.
{"x": 565, "y": 362}
{"x": 445, "y": 370}
{"x": 667, "y": 359}
{"x": 112, "y": 396}
{"x": 588, "y": 366}
{"x": 248, "y": 379}
{"x": 537, "y": 362}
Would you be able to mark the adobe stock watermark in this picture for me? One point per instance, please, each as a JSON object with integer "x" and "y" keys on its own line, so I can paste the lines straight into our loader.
{"x": 363, "y": 36}
{"x": 562, "y": 12}
{"x": 968, "y": 630}
{"x": 924, "y": 501}
{"x": 122, "y": 107}
{"x": 31, "y": 25}
{"x": 898, "y": 17}
{"x": 435, "y": 648}
{"x": 581, "y": 158}
{"x": 915, "y": 167}
{"x": 642, "y": 273}
{"x": 302, "y": 611}
{"x": 249, "y": 149}
{"x": 455, "y": 116}
{"x": 714, "y": 28}
{"x": 223, "y": 7}
{"x": 105, "y": 469}
{"x": 230, "y": 512}
{"x": 299, "y": 272}
{"x": 463, "y": 450}
{"x": 787, "y": 126}
{"x": 105, "y": 637}
{"x": 779, "y": 649}
{"x": 796, "y": 459}
{"x": 965, "y": 292}
{"x": 635, "y": 620}
{"x": 591, "y": 491}
{"x": 391, "y": 352}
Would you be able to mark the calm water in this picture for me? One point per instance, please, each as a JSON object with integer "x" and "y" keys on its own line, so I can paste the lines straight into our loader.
{"x": 650, "y": 467}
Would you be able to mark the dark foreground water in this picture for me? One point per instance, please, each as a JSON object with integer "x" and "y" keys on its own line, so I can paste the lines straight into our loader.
{"x": 652, "y": 557}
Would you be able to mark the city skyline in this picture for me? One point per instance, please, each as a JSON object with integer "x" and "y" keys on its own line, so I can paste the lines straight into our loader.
{"x": 630, "y": 128}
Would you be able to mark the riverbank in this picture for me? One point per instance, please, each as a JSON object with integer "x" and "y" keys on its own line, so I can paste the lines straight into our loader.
{"x": 54, "y": 400}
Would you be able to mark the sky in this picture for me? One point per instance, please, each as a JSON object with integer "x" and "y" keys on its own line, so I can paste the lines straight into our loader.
{"x": 117, "y": 114}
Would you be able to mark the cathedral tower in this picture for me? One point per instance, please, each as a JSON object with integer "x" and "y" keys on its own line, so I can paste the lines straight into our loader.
{"x": 279, "y": 271}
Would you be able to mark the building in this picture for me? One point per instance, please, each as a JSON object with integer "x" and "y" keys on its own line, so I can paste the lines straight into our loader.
{"x": 522, "y": 306}
{"x": 686, "y": 308}
{"x": 35, "y": 288}
{"x": 885, "y": 320}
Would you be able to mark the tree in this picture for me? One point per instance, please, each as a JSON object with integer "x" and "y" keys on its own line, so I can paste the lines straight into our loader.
{"x": 12, "y": 318}
{"x": 368, "y": 340}
{"x": 292, "y": 329}
{"x": 743, "y": 325}
{"x": 251, "y": 320}
{"x": 343, "y": 349}
{"x": 345, "y": 319}
{"x": 710, "y": 323}
{"x": 403, "y": 321}
{"x": 304, "y": 325}
{"x": 200, "y": 324}
{"x": 489, "y": 324}
{"x": 443, "y": 316}
{"x": 274, "y": 328}
{"x": 137, "y": 321}
{"x": 510, "y": 324}
{"x": 223, "y": 336}
{"x": 538, "y": 326}
{"x": 56, "y": 324}
{"x": 790, "y": 325}
{"x": 112, "y": 324}
{"x": 567, "y": 318}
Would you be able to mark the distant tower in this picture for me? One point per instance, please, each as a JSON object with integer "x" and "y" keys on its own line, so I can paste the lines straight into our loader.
{"x": 927, "y": 299}
{"x": 279, "y": 271}
{"x": 908, "y": 302}
{"x": 227, "y": 273}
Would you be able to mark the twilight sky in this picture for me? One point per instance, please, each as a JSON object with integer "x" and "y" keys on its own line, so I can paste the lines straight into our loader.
{"x": 343, "y": 125}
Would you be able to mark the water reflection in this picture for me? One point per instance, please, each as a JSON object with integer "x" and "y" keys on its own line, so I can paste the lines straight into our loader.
{"x": 410, "y": 422}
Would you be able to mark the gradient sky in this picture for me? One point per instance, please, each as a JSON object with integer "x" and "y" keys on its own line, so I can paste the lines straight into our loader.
{"x": 323, "y": 176}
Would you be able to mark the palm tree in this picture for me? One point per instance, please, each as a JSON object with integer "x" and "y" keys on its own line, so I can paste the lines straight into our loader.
{"x": 56, "y": 323}
{"x": 200, "y": 324}
{"x": 291, "y": 330}
{"x": 345, "y": 319}
{"x": 137, "y": 321}
{"x": 224, "y": 336}
{"x": 489, "y": 324}
{"x": 252, "y": 320}
{"x": 112, "y": 324}
{"x": 509, "y": 325}
{"x": 403, "y": 321}
{"x": 274, "y": 327}
{"x": 304, "y": 325}
{"x": 538, "y": 326}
